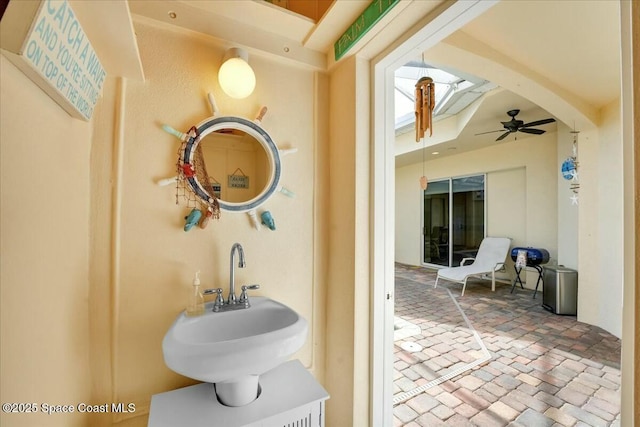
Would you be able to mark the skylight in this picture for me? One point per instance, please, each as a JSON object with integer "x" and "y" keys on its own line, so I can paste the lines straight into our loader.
{"x": 454, "y": 92}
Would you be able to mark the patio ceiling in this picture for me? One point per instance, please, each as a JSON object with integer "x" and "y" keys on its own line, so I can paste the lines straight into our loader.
{"x": 571, "y": 49}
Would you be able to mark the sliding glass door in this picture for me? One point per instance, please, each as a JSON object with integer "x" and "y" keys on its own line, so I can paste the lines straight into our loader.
{"x": 436, "y": 223}
{"x": 467, "y": 215}
{"x": 453, "y": 219}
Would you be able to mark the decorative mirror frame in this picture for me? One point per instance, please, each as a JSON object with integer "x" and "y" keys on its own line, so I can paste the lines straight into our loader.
{"x": 187, "y": 176}
{"x": 216, "y": 123}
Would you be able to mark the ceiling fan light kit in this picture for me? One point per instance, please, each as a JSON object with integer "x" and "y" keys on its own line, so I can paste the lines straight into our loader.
{"x": 514, "y": 125}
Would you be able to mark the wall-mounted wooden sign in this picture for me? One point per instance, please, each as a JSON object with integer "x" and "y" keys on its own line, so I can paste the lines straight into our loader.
{"x": 371, "y": 15}
{"x": 46, "y": 41}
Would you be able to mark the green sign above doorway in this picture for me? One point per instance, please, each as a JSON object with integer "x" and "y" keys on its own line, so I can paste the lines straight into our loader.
{"x": 361, "y": 26}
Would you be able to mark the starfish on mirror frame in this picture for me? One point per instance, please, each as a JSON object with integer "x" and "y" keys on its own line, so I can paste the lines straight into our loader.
{"x": 574, "y": 199}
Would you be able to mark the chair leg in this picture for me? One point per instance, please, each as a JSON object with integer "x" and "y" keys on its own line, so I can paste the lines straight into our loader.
{"x": 436, "y": 284}
{"x": 493, "y": 281}
{"x": 464, "y": 285}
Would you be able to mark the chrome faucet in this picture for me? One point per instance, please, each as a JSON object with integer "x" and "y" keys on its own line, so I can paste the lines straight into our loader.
{"x": 241, "y": 264}
{"x": 232, "y": 303}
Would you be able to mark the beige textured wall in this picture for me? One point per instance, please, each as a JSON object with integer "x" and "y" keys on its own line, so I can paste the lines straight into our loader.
{"x": 347, "y": 309}
{"x": 600, "y": 224}
{"x": 340, "y": 289}
{"x": 154, "y": 259}
{"x": 610, "y": 219}
{"x": 44, "y": 223}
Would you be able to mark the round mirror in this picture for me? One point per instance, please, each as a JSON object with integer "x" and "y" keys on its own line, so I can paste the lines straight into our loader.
{"x": 235, "y": 160}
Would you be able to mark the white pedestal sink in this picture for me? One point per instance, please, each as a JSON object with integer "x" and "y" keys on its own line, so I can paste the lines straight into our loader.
{"x": 232, "y": 349}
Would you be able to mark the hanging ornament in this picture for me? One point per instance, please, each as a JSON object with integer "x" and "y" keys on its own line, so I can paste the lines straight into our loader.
{"x": 569, "y": 169}
{"x": 423, "y": 182}
{"x": 425, "y": 103}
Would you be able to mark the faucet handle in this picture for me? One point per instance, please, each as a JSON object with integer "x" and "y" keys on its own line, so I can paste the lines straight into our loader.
{"x": 244, "y": 298}
{"x": 219, "y": 299}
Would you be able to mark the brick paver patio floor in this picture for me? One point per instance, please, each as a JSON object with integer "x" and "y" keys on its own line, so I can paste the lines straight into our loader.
{"x": 508, "y": 363}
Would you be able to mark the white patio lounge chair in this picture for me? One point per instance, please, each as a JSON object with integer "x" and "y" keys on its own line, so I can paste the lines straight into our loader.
{"x": 489, "y": 259}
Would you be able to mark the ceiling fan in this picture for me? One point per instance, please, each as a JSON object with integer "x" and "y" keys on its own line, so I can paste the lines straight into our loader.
{"x": 514, "y": 125}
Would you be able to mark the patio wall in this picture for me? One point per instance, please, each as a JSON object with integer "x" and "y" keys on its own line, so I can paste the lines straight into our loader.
{"x": 521, "y": 195}
{"x": 528, "y": 200}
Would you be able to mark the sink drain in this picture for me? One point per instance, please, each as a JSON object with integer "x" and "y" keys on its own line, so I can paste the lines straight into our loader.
{"x": 411, "y": 346}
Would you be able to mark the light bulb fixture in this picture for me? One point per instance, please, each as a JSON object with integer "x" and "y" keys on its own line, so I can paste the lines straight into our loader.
{"x": 236, "y": 76}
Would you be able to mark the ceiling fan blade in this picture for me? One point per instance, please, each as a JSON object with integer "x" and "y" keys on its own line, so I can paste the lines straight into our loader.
{"x": 503, "y": 136}
{"x": 533, "y": 131}
{"x": 538, "y": 123}
{"x": 491, "y": 131}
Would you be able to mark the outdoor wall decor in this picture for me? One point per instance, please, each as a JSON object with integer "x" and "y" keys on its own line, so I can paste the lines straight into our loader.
{"x": 569, "y": 169}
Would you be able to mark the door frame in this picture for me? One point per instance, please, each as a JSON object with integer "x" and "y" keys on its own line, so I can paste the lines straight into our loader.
{"x": 446, "y": 19}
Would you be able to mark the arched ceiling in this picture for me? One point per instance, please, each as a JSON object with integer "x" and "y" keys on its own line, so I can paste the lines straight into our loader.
{"x": 556, "y": 59}
{"x": 574, "y": 43}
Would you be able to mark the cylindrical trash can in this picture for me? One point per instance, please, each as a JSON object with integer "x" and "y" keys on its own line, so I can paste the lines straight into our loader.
{"x": 560, "y": 290}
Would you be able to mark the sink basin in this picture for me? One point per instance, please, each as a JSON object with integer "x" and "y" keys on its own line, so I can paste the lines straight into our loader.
{"x": 232, "y": 348}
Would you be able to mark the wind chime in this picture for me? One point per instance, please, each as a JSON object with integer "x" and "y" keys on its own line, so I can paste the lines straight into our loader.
{"x": 570, "y": 169}
{"x": 425, "y": 103}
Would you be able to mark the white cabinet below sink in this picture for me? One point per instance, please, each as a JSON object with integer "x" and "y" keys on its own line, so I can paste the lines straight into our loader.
{"x": 290, "y": 395}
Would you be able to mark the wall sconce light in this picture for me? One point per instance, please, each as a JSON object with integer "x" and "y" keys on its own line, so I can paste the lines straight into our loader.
{"x": 236, "y": 76}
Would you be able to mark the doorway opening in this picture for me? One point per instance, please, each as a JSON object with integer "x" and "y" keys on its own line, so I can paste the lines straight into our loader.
{"x": 384, "y": 198}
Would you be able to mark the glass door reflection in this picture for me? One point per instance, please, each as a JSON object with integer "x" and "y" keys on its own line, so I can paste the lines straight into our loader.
{"x": 436, "y": 223}
{"x": 467, "y": 213}
{"x": 454, "y": 220}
